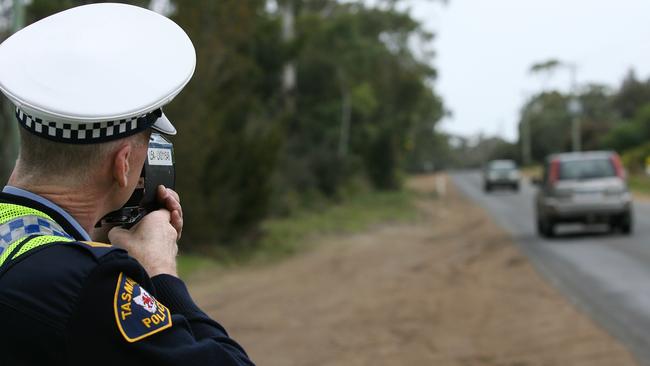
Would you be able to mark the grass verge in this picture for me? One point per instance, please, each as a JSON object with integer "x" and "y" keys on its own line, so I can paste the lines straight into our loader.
{"x": 283, "y": 237}
{"x": 532, "y": 171}
{"x": 639, "y": 184}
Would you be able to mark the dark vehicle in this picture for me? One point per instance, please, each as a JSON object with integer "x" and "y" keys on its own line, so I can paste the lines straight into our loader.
{"x": 588, "y": 187}
{"x": 501, "y": 173}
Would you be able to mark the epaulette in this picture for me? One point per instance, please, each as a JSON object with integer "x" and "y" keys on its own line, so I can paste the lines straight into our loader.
{"x": 98, "y": 250}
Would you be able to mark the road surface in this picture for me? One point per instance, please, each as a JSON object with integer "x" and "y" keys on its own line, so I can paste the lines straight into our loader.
{"x": 445, "y": 287}
{"x": 605, "y": 275}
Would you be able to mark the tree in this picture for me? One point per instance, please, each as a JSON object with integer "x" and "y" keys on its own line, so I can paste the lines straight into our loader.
{"x": 229, "y": 118}
{"x": 631, "y": 134}
{"x": 549, "y": 122}
{"x": 598, "y": 116}
{"x": 546, "y": 69}
{"x": 631, "y": 96}
{"x": 356, "y": 58}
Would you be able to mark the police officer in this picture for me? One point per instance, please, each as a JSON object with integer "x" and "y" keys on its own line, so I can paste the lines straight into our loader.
{"x": 88, "y": 85}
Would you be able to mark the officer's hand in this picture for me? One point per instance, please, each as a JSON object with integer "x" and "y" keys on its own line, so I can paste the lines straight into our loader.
{"x": 152, "y": 241}
{"x": 169, "y": 199}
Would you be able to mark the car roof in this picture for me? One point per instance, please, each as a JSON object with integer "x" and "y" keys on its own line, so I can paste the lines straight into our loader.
{"x": 580, "y": 155}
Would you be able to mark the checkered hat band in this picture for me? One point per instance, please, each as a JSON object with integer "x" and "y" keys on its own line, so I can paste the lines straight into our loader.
{"x": 86, "y": 133}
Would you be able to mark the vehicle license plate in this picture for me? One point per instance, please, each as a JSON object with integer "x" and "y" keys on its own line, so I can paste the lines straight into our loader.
{"x": 587, "y": 196}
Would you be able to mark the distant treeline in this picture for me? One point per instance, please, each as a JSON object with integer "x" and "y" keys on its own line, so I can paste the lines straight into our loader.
{"x": 610, "y": 118}
{"x": 292, "y": 102}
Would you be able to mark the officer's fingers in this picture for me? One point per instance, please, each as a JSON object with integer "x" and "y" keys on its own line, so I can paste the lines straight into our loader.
{"x": 169, "y": 199}
{"x": 119, "y": 237}
{"x": 177, "y": 199}
{"x": 161, "y": 193}
{"x": 164, "y": 192}
{"x": 172, "y": 205}
{"x": 177, "y": 223}
{"x": 174, "y": 194}
{"x": 158, "y": 216}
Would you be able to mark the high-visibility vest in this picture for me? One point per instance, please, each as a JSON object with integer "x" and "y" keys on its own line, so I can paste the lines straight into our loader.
{"x": 23, "y": 229}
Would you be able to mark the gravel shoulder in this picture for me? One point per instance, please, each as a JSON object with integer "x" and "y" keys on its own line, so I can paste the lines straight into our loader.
{"x": 449, "y": 288}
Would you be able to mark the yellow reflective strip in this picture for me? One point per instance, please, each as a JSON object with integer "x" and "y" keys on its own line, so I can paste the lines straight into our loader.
{"x": 37, "y": 242}
{"x": 7, "y": 252}
{"x": 10, "y": 211}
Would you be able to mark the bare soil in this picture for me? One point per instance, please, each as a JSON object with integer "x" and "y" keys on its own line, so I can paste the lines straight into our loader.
{"x": 448, "y": 289}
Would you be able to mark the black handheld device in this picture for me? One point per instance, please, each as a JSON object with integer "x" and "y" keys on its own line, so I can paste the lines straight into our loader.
{"x": 159, "y": 168}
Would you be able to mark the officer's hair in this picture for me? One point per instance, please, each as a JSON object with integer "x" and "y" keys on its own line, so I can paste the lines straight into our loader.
{"x": 71, "y": 164}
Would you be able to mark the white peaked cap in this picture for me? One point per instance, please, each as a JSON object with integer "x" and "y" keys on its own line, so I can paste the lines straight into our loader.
{"x": 96, "y": 73}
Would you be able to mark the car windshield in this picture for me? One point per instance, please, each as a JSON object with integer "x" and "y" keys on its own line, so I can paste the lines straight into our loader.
{"x": 587, "y": 169}
{"x": 502, "y": 165}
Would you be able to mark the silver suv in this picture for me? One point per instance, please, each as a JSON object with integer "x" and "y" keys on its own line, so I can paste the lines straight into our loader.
{"x": 588, "y": 187}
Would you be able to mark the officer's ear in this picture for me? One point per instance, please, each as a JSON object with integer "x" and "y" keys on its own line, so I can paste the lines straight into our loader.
{"x": 121, "y": 166}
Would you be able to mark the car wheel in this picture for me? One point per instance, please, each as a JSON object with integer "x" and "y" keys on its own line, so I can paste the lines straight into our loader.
{"x": 622, "y": 223}
{"x": 626, "y": 228}
{"x": 626, "y": 224}
{"x": 487, "y": 188}
{"x": 545, "y": 228}
{"x": 516, "y": 187}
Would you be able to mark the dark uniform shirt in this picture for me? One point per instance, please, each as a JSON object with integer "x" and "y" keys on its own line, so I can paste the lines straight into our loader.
{"x": 74, "y": 302}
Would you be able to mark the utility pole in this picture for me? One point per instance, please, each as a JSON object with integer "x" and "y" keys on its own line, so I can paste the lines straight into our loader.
{"x": 525, "y": 133}
{"x": 346, "y": 112}
{"x": 575, "y": 109}
{"x": 574, "y": 106}
{"x": 287, "y": 12}
{"x": 18, "y": 21}
{"x": 525, "y": 142}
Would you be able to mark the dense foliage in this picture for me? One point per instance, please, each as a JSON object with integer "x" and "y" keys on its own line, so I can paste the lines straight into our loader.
{"x": 250, "y": 145}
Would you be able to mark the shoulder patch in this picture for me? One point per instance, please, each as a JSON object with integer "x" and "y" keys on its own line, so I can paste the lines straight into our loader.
{"x": 138, "y": 314}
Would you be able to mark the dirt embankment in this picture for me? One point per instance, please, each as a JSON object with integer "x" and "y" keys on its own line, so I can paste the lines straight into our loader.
{"x": 448, "y": 289}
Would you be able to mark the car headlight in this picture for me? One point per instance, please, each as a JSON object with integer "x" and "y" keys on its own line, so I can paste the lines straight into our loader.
{"x": 514, "y": 175}
{"x": 619, "y": 193}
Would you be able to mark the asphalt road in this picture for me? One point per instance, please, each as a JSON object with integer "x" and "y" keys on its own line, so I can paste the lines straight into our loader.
{"x": 605, "y": 275}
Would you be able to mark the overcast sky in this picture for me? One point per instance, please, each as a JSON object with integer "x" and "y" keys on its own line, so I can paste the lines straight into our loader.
{"x": 485, "y": 48}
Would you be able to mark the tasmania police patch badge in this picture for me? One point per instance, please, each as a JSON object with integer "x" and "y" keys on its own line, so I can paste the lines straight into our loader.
{"x": 137, "y": 313}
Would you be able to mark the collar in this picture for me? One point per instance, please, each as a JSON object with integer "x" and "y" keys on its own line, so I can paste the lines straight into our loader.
{"x": 63, "y": 218}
